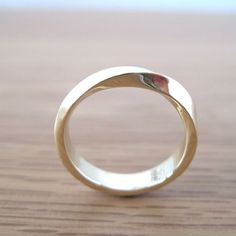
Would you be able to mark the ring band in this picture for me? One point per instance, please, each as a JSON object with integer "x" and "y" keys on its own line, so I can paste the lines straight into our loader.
{"x": 133, "y": 183}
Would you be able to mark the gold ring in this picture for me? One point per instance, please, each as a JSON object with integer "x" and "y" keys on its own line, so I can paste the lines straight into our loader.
{"x": 133, "y": 183}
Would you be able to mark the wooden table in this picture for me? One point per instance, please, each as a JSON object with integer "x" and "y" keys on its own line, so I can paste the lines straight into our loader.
{"x": 44, "y": 54}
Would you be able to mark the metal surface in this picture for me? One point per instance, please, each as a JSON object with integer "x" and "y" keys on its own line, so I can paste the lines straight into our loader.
{"x": 134, "y": 183}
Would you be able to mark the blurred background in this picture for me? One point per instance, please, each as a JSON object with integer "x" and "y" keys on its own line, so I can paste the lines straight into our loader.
{"x": 150, "y": 5}
{"x": 47, "y": 47}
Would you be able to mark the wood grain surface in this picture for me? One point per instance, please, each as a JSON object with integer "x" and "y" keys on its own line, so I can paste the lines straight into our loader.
{"x": 44, "y": 54}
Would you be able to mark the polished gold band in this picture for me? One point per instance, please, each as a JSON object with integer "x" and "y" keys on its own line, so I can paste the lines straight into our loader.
{"x": 134, "y": 183}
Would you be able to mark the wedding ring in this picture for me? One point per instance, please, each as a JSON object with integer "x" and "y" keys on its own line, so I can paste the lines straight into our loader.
{"x": 132, "y": 183}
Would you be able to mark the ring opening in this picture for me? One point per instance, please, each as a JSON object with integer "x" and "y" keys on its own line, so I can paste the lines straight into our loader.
{"x": 125, "y": 130}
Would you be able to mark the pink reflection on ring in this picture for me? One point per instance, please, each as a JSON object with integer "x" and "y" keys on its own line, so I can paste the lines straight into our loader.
{"x": 161, "y": 82}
